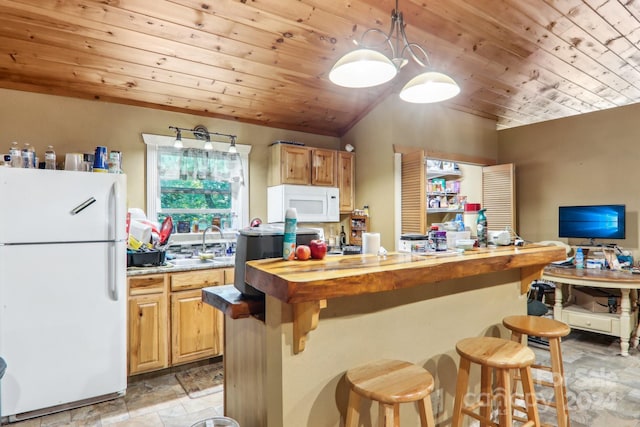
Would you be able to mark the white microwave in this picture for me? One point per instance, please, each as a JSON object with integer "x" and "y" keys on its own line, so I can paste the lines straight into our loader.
{"x": 313, "y": 204}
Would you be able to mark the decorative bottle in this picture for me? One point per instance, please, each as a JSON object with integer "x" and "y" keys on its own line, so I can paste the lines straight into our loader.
{"x": 482, "y": 229}
{"x": 289, "y": 243}
{"x": 343, "y": 238}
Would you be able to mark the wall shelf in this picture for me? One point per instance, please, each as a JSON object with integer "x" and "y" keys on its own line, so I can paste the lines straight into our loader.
{"x": 359, "y": 225}
{"x": 437, "y": 173}
{"x": 444, "y": 210}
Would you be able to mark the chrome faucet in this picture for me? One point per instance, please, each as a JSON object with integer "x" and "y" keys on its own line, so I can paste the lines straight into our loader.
{"x": 204, "y": 233}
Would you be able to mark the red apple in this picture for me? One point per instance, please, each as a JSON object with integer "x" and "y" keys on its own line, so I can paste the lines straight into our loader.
{"x": 318, "y": 249}
{"x": 303, "y": 252}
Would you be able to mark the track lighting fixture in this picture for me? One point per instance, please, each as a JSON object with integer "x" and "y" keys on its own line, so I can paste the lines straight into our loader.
{"x": 201, "y": 133}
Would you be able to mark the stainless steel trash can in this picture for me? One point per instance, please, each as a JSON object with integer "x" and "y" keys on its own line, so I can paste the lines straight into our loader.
{"x": 217, "y": 422}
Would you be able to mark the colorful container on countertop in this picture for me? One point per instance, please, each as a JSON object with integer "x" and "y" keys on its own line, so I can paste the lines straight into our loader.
{"x": 289, "y": 242}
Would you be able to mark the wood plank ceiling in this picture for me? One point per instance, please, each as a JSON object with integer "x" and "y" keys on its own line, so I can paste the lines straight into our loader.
{"x": 267, "y": 61}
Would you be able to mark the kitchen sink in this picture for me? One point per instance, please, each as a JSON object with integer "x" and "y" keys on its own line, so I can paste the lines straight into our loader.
{"x": 190, "y": 262}
{"x": 197, "y": 262}
{"x": 227, "y": 259}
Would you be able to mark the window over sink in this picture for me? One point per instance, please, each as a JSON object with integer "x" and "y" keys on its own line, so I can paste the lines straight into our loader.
{"x": 192, "y": 184}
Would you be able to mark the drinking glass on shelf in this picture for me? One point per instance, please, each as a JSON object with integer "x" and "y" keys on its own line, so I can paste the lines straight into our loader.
{"x": 73, "y": 162}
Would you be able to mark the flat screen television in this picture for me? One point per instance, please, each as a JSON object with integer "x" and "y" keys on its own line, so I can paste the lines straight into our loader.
{"x": 592, "y": 222}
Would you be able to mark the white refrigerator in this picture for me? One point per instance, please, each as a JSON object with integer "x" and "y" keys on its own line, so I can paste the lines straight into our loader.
{"x": 62, "y": 289}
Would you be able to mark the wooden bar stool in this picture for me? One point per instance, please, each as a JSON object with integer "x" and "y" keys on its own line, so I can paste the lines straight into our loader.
{"x": 390, "y": 382}
{"x": 503, "y": 356}
{"x": 553, "y": 330}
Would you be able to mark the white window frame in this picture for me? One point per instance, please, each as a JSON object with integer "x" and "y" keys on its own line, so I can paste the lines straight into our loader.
{"x": 241, "y": 206}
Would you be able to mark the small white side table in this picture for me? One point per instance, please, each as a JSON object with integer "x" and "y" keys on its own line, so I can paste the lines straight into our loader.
{"x": 622, "y": 325}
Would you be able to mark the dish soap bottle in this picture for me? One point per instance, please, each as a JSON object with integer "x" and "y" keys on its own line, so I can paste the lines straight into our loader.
{"x": 482, "y": 229}
{"x": 579, "y": 258}
{"x": 289, "y": 243}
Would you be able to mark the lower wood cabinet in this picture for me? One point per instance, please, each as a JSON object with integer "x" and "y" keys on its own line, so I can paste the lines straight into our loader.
{"x": 168, "y": 322}
{"x": 193, "y": 327}
{"x": 148, "y": 323}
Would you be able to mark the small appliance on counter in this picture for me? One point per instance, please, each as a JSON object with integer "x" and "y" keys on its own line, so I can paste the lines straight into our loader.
{"x": 499, "y": 238}
{"x": 313, "y": 204}
{"x": 263, "y": 242}
{"x": 413, "y": 243}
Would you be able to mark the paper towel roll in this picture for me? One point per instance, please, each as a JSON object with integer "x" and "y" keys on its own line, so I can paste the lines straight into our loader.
{"x": 370, "y": 243}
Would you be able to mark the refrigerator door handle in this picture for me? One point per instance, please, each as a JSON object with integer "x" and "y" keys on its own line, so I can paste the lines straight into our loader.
{"x": 117, "y": 214}
{"x": 111, "y": 270}
{"x": 82, "y": 206}
{"x": 115, "y": 201}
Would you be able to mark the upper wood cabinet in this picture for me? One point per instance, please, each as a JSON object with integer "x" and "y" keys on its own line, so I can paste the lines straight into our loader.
{"x": 289, "y": 164}
{"x": 293, "y": 164}
{"x": 346, "y": 178}
{"x": 323, "y": 167}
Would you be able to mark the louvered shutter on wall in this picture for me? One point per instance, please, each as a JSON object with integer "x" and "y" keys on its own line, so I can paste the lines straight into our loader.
{"x": 499, "y": 196}
{"x": 413, "y": 201}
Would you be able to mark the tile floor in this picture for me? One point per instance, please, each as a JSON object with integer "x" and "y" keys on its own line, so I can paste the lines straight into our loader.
{"x": 603, "y": 388}
{"x": 151, "y": 401}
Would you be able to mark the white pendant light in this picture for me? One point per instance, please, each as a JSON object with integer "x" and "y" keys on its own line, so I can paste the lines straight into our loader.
{"x": 429, "y": 87}
{"x": 362, "y": 68}
{"x": 367, "y": 66}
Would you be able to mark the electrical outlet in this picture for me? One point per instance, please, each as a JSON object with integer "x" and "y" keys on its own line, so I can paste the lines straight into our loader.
{"x": 437, "y": 401}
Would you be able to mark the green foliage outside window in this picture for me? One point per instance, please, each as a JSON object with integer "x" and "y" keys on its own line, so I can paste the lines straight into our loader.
{"x": 194, "y": 187}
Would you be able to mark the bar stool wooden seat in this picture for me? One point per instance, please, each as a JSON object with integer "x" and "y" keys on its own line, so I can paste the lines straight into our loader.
{"x": 553, "y": 330}
{"x": 501, "y": 356}
{"x": 390, "y": 382}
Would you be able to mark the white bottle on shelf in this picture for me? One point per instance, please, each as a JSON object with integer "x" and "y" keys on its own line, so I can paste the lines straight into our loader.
{"x": 28, "y": 156}
{"x": 579, "y": 258}
{"x": 50, "y": 158}
{"x": 16, "y": 155}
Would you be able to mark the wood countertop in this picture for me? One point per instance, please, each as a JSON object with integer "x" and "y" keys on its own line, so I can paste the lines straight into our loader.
{"x": 307, "y": 285}
{"x": 315, "y": 280}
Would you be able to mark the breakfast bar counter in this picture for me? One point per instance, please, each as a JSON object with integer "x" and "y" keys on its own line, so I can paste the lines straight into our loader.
{"x": 322, "y": 317}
